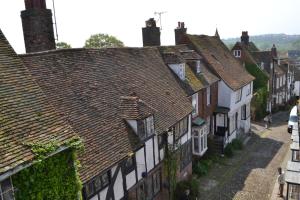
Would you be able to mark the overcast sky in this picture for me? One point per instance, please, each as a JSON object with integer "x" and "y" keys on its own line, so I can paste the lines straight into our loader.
{"x": 78, "y": 19}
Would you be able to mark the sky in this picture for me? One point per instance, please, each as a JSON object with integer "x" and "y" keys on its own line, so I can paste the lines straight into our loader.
{"x": 78, "y": 19}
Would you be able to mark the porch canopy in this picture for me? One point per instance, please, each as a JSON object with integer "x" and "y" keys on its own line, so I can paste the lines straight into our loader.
{"x": 198, "y": 121}
{"x": 222, "y": 110}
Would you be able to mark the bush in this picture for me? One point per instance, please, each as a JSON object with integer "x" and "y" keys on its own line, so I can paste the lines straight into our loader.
{"x": 191, "y": 185}
{"x": 228, "y": 151}
{"x": 200, "y": 168}
{"x": 237, "y": 144}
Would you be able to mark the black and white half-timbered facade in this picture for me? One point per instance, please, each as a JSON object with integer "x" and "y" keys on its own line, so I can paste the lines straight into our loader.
{"x": 122, "y": 102}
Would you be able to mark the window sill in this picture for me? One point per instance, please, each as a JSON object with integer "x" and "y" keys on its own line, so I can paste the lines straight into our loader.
{"x": 200, "y": 153}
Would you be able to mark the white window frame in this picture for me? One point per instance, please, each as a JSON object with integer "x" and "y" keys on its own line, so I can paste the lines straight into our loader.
{"x": 208, "y": 96}
{"x": 238, "y": 96}
{"x": 237, "y": 53}
{"x": 182, "y": 71}
{"x": 198, "y": 66}
{"x": 195, "y": 104}
{"x": 249, "y": 89}
{"x": 202, "y": 140}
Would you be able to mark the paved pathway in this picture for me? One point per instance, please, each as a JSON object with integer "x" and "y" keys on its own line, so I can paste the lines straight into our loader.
{"x": 251, "y": 173}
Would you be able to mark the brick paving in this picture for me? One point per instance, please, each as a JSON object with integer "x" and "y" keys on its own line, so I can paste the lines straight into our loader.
{"x": 251, "y": 174}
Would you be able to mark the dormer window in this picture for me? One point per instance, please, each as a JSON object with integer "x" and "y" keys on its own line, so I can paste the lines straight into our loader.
{"x": 198, "y": 66}
{"x": 237, "y": 53}
{"x": 181, "y": 71}
{"x": 146, "y": 127}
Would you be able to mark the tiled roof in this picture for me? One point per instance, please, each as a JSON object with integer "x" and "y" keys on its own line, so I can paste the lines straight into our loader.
{"x": 85, "y": 85}
{"x": 132, "y": 107}
{"x": 247, "y": 53}
{"x": 26, "y": 117}
{"x": 252, "y": 47}
{"x": 222, "y": 62}
{"x": 193, "y": 82}
{"x": 266, "y": 58}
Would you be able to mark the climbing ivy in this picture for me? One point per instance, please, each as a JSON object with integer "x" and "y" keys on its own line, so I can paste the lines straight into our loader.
{"x": 54, "y": 178}
{"x": 261, "y": 79}
{"x": 171, "y": 167}
{"x": 260, "y": 91}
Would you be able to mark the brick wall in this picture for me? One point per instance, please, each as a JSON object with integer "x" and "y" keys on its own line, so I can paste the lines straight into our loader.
{"x": 204, "y": 109}
{"x": 38, "y": 30}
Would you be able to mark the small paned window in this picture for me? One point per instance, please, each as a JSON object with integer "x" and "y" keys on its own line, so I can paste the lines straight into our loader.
{"x": 198, "y": 66}
{"x": 97, "y": 184}
{"x": 130, "y": 164}
{"x": 208, "y": 96}
{"x": 238, "y": 96}
{"x": 6, "y": 190}
{"x": 237, "y": 53}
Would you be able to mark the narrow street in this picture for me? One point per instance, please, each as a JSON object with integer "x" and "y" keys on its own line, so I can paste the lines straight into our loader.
{"x": 252, "y": 172}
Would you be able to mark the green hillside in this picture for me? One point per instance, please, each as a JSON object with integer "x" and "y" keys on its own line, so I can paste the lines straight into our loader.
{"x": 283, "y": 42}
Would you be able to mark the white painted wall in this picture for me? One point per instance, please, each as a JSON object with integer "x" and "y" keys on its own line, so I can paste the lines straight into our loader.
{"x": 140, "y": 162}
{"x": 133, "y": 125}
{"x": 130, "y": 180}
{"x": 149, "y": 155}
{"x": 103, "y": 194}
{"x": 178, "y": 69}
{"x": 234, "y": 107}
{"x": 297, "y": 88}
{"x": 224, "y": 94}
{"x": 118, "y": 187}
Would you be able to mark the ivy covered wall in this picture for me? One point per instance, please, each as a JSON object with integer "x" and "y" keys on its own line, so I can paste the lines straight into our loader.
{"x": 54, "y": 178}
{"x": 260, "y": 91}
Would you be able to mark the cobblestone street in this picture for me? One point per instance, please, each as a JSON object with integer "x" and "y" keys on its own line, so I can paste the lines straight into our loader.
{"x": 252, "y": 172}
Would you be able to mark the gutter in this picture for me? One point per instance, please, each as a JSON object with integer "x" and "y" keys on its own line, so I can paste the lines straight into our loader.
{"x": 24, "y": 166}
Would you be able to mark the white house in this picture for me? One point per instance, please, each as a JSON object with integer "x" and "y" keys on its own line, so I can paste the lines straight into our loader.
{"x": 232, "y": 116}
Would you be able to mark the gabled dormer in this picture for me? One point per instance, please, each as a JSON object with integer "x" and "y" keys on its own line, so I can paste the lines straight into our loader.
{"x": 176, "y": 63}
{"x": 138, "y": 115}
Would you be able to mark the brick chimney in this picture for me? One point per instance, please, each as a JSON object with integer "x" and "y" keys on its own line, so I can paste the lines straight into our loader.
{"x": 37, "y": 26}
{"x": 151, "y": 33}
{"x": 180, "y": 31}
{"x": 274, "y": 51}
{"x": 245, "y": 37}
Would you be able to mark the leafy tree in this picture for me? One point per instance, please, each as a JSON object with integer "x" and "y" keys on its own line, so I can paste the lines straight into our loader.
{"x": 102, "y": 41}
{"x": 63, "y": 45}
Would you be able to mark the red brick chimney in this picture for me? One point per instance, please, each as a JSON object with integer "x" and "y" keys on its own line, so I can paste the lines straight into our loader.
{"x": 37, "y": 26}
{"x": 180, "y": 32}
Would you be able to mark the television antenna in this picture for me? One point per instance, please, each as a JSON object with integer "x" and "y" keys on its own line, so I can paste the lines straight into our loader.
{"x": 159, "y": 17}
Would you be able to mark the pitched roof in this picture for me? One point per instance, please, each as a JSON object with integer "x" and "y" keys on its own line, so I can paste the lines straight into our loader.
{"x": 85, "y": 85}
{"x": 193, "y": 81}
{"x": 247, "y": 56}
{"x": 266, "y": 58}
{"x": 132, "y": 107}
{"x": 26, "y": 117}
{"x": 222, "y": 62}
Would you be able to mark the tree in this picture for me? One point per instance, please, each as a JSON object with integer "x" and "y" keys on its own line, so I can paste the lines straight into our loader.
{"x": 102, "y": 41}
{"x": 63, "y": 45}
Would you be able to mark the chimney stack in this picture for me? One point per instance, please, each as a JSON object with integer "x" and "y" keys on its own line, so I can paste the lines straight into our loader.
{"x": 37, "y": 26}
{"x": 274, "y": 51}
{"x": 180, "y": 32}
{"x": 151, "y": 33}
{"x": 245, "y": 37}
